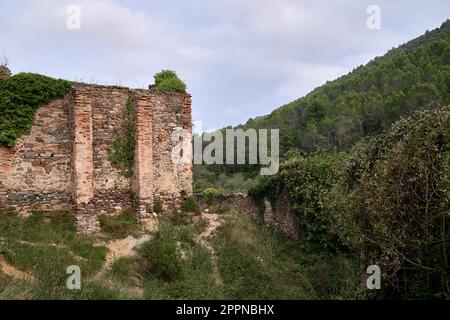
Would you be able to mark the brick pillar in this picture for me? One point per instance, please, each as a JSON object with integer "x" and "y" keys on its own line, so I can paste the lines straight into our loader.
{"x": 83, "y": 162}
{"x": 187, "y": 176}
{"x": 142, "y": 184}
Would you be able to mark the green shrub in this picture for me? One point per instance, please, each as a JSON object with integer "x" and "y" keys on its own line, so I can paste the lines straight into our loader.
{"x": 210, "y": 195}
{"x": 158, "y": 207}
{"x": 190, "y": 205}
{"x": 168, "y": 81}
{"x": 20, "y": 97}
{"x": 162, "y": 255}
{"x": 122, "y": 149}
{"x": 308, "y": 180}
{"x": 119, "y": 226}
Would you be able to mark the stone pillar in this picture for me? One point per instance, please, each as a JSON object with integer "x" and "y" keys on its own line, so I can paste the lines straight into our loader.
{"x": 142, "y": 184}
{"x": 83, "y": 159}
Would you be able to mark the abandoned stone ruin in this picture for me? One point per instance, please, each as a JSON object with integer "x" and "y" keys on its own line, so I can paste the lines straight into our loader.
{"x": 65, "y": 162}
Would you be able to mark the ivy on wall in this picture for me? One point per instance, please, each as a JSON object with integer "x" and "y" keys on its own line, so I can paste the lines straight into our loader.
{"x": 123, "y": 147}
{"x": 20, "y": 97}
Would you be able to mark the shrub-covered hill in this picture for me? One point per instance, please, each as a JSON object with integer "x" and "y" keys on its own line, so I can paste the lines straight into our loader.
{"x": 369, "y": 99}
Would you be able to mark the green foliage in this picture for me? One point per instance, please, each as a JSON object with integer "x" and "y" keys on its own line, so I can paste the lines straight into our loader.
{"x": 256, "y": 263}
{"x": 162, "y": 255}
{"x": 308, "y": 180}
{"x": 190, "y": 205}
{"x": 212, "y": 177}
{"x": 400, "y": 183}
{"x": 120, "y": 226}
{"x": 168, "y": 81}
{"x": 175, "y": 266}
{"x": 210, "y": 195}
{"x": 158, "y": 206}
{"x": 20, "y": 97}
{"x": 122, "y": 150}
{"x": 44, "y": 247}
{"x": 386, "y": 200}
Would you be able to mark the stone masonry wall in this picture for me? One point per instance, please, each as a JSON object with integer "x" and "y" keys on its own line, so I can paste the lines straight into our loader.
{"x": 64, "y": 163}
{"x": 36, "y": 174}
{"x": 279, "y": 216}
{"x": 171, "y": 128}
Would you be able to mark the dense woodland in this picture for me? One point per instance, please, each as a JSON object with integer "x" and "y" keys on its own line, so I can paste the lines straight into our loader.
{"x": 367, "y": 165}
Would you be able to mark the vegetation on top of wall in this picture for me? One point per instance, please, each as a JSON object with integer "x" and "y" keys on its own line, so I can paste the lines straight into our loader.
{"x": 309, "y": 180}
{"x": 20, "y": 97}
{"x": 168, "y": 81}
{"x": 121, "y": 152}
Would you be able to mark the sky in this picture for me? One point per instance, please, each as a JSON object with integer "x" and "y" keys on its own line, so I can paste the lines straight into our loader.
{"x": 240, "y": 58}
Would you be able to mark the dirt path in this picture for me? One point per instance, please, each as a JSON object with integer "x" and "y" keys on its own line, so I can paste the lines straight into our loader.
{"x": 119, "y": 249}
{"x": 15, "y": 273}
{"x": 214, "y": 221}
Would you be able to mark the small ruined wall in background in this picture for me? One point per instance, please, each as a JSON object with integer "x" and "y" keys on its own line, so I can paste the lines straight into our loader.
{"x": 279, "y": 216}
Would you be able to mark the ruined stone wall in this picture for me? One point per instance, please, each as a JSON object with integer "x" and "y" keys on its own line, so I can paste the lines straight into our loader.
{"x": 64, "y": 163}
{"x": 96, "y": 124}
{"x": 171, "y": 129}
{"x": 36, "y": 174}
{"x": 279, "y": 216}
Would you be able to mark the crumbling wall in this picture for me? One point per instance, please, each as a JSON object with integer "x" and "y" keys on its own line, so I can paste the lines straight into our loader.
{"x": 279, "y": 215}
{"x": 36, "y": 173}
{"x": 64, "y": 163}
{"x": 171, "y": 129}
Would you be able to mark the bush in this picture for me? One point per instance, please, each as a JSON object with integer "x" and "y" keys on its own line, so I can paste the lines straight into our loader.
{"x": 190, "y": 205}
{"x": 210, "y": 195}
{"x": 122, "y": 149}
{"x": 158, "y": 207}
{"x": 168, "y": 81}
{"x": 20, "y": 97}
{"x": 308, "y": 180}
{"x": 119, "y": 226}
{"x": 162, "y": 256}
{"x": 399, "y": 183}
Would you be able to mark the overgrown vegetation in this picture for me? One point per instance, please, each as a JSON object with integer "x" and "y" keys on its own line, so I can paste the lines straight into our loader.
{"x": 256, "y": 263}
{"x": 44, "y": 248}
{"x": 397, "y": 208}
{"x": 20, "y": 97}
{"x": 122, "y": 150}
{"x": 168, "y": 81}
{"x": 386, "y": 199}
{"x": 210, "y": 195}
{"x": 119, "y": 226}
{"x": 190, "y": 205}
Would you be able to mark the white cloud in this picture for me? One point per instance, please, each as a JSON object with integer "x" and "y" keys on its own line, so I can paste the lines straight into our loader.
{"x": 252, "y": 55}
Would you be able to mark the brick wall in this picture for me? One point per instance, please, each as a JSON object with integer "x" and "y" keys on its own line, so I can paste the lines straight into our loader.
{"x": 63, "y": 164}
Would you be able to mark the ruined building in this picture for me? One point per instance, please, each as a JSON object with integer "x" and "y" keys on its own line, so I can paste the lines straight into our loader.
{"x": 64, "y": 163}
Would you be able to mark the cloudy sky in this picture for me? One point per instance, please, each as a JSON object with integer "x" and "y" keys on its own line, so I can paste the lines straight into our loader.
{"x": 240, "y": 58}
